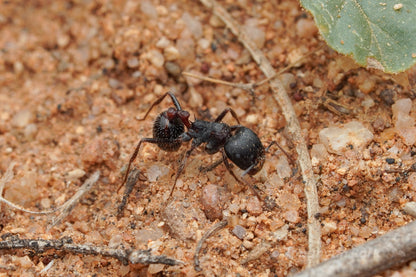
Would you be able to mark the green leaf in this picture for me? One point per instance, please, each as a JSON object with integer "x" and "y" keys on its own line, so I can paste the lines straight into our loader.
{"x": 376, "y": 33}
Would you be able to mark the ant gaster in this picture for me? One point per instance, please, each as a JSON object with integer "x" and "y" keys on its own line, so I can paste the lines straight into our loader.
{"x": 237, "y": 143}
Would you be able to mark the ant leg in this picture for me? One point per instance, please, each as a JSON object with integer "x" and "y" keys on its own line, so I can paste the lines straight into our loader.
{"x": 158, "y": 101}
{"x": 136, "y": 151}
{"x": 181, "y": 167}
{"x": 228, "y": 166}
{"x": 270, "y": 145}
{"x": 224, "y": 112}
{"x": 208, "y": 168}
{"x": 281, "y": 149}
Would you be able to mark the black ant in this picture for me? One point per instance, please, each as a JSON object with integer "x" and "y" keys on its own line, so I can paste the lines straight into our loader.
{"x": 237, "y": 143}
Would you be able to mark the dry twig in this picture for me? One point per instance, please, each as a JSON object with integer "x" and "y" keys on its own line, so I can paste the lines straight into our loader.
{"x": 280, "y": 95}
{"x": 247, "y": 87}
{"x": 215, "y": 228}
{"x": 392, "y": 249}
{"x": 132, "y": 179}
{"x": 66, "y": 244}
{"x": 250, "y": 87}
{"x": 70, "y": 204}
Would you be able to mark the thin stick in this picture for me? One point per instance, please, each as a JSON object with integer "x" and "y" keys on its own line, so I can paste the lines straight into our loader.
{"x": 132, "y": 179}
{"x": 293, "y": 126}
{"x": 218, "y": 226}
{"x": 390, "y": 250}
{"x": 70, "y": 204}
{"x": 66, "y": 244}
{"x": 20, "y": 208}
{"x": 250, "y": 87}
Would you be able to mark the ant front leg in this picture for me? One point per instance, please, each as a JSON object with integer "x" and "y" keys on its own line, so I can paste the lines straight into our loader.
{"x": 224, "y": 113}
{"x": 136, "y": 151}
{"x": 184, "y": 137}
{"x": 158, "y": 101}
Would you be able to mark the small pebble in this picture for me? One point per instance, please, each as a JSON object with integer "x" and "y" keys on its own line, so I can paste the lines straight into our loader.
{"x": 204, "y": 43}
{"x": 173, "y": 69}
{"x": 183, "y": 222}
{"x": 133, "y": 62}
{"x": 156, "y": 171}
{"x": 23, "y": 190}
{"x": 155, "y": 57}
{"x": 288, "y": 201}
{"x": 318, "y": 154}
{"x": 216, "y": 22}
{"x": 254, "y": 206}
{"x": 366, "y": 83}
{"x": 213, "y": 200}
{"x": 155, "y": 268}
{"x": 292, "y": 216}
{"x": 306, "y": 28}
{"x": 75, "y": 174}
{"x": 30, "y": 131}
{"x": 196, "y": 99}
{"x": 338, "y": 139}
{"x": 186, "y": 48}
{"x": 256, "y": 34}
{"x": 410, "y": 208}
{"x": 412, "y": 181}
{"x": 329, "y": 227}
{"x": 115, "y": 241}
{"x": 248, "y": 244}
{"x": 171, "y": 53}
{"x": 404, "y": 123}
{"x": 252, "y": 118}
{"x": 22, "y": 118}
{"x": 148, "y": 9}
{"x": 193, "y": 24}
{"x": 283, "y": 168}
{"x": 281, "y": 233}
{"x": 18, "y": 67}
{"x": 239, "y": 231}
{"x": 114, "y": 83}
{"x": 368, "y": 102}
{"x": 163, "y": 42}
{"x": 23, "y": 262}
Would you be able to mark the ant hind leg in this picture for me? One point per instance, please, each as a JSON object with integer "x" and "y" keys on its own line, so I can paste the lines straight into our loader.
{"x": 205, "y": 169}
{"x": 228, "y": 166}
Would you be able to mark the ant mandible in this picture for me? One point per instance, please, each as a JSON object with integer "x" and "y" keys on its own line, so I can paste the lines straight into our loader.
{"x": 237, "y": 143}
